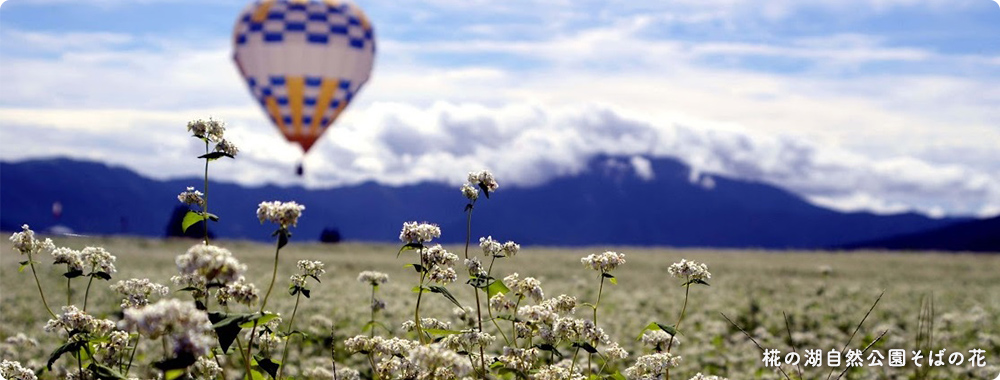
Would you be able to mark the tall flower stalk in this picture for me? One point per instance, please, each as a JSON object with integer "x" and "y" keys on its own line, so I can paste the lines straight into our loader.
{"x": 298, "y": 288}
{"x": 25, "y": 243}
{"x": 210, "y": 131}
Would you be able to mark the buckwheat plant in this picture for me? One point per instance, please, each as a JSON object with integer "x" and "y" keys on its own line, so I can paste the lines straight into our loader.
{"x": 210, "y": 131}
{"x": 185, "y": 330}
{"x": 298, "y": 288}
{"x": 603, "y": 263}
{"x": 25, "y": 243}
{"x": 374, "y": 279}
{"x": 436, "y": 266}
{"x": 478, "y": 279}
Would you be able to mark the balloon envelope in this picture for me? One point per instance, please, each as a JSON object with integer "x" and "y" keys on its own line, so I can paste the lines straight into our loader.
{"x": 303, "y": 61}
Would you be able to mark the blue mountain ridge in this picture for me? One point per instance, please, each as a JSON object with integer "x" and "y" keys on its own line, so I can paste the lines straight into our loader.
{"x": 607, "y": 204}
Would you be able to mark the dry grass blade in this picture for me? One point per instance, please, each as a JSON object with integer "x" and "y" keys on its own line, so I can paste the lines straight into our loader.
{"x": 754, "y": 342}
{"x": 879, "y": 337}
{"x": 858, "y": 327}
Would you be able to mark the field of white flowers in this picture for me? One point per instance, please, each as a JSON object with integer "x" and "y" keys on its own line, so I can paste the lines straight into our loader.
{"x": 120, "y": 308}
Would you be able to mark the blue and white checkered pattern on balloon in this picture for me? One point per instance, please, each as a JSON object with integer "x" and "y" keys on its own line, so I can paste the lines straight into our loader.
{"x": 313, "y": 22}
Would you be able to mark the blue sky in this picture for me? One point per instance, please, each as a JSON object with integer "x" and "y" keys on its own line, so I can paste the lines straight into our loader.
{"x": 882, "y": 105}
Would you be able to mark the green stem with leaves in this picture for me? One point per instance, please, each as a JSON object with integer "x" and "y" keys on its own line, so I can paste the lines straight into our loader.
{"x": 479, "y": 308}
{"x": 420, "y": 293}
{"x": 274, "y": 274}
{"x": 372, "y": 320}
{"x": 489, "y": 274}
{"x": 677, "y": 326}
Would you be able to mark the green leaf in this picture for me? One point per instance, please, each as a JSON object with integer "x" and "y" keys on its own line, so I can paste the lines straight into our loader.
{"x": 261, "y": 319}
{"x": 182, "y": 361}
{"x": 468, "y": 207}
{"x": 588, "y": 304}
{"x": 441, "y": 331}
{"x": 696, "y": 281}
{"x": 550, "y": 348}
{"x": 73, "y": 273}
{"x": 254, "y": 374}
{"x": 213, "y": 217}
{"x": 444, "y": 291}
{"x": 409, "y": 247}
{"x": 102, "y": 275}
{"x": 586, "y": 347}
{"x": 613, "y": 280}
{"x": 190, "y": 219}
{"x": 175, "y": 374}
{"x": 657, "y": 326}
{"x": 417, "y": 267}
{"x": 66, "y": 348}
{"x": 188, "y": 289}
{"x": 418, "y": 289}
{"x": 485, "y": 190}
{"x": 104, "y": 372}
{"x": 269, "y": 366}
{"x": 283, "y": 238}
{"x": 226, "y": 328}
{"x": 212, "y": 156}
{"x": 24, "y": 264}
{"x": 617, "y": 376}
{"x": 305, "y": 292}
{"x": 496, "y": 287}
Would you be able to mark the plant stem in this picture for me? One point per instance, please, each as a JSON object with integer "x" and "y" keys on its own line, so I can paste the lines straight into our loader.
{"x": 513, "y": 321}
{"x": 87, "y": 293}
{"x": 416, "y": 311}
{"x": 687, "y": 290}
{"x": 132, "y": 357}
{"x": 39, "y": 284}
{"x": 284, "y": 351}
{"x": 479, "y": 308}
{"x": 68, "y": 291}
{"x": 263, "y": 303}
{"x": 372, "y": 321}
{"x": 205, "y": 207}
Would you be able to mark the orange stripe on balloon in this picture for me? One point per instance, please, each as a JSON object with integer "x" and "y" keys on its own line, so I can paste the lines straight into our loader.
{"x": 296, "y": 92}
{"x": 260, "y": 14}
{"x": 326, "y": 90}
{"x": 275, "y": 112}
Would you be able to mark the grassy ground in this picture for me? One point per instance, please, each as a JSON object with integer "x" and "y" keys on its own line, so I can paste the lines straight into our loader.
{"x": 824, "y": 296}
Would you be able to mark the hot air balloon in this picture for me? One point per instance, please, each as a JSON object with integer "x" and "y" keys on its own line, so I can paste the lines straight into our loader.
{"x": 303, "y": 61}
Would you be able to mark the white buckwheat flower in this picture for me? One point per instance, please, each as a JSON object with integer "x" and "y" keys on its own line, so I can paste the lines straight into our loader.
{"x": 491, "y": 248}
{"x": 470, "y": 192}
{"x": 519, "y": 359}
{"x": 475, "y": 267}
{"x": 215, "y": 264}
{"x": 605, "y": 262}
{"x": 227, "y": 148}
{"x": 690, "y": 269}
{"x": 72, "y": 258}
{"x": 96, "y": 259}
{"x": 74, "y": 319}
{"x": 499, "y": 302}
{"x": 484, "y": 179}
{"x": 210, "y": 129}
{"x": 240, "y": 292}
{"x": 373, "y": 278}
{"x": 420, "y": 233}
{"x": 510, "y": 249}
{"x": 187, "y": 328}
{"x": 651, "y": 366}
{"x": 426, "y": 323}
{"x": 699, "y": 376}
{"x": 615, "y": 352}
{"x": 137, "y": 291}
{"x": 658, "y": 339}
{"x": 311, "y": 268}
{"x": 527, "y": 287}
{"x": 192, "y": 197}
{"x": 284, "y": 214}
{"x": 14, "y": 371}
{"x": 25, "y": 242}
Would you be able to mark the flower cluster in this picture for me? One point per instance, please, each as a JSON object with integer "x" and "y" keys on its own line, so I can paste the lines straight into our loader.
{"x": 186, "y": 327}
{"x": 651, "y": 366}
{"x": 378, "y": 345}
{"x": 192, "y": 197}
{"x": 658, "y": 339}
{"x": 689, "y": 270}
{"x": 436, "y": 362}
{"x": 25, "y": 242}
{"x": 527, "y": 287}
{"x": 519, "y": 359}
{"x": 72, "y": 258}
{"x": 578, "y": 330}
{"x": 604, "y": 262}
{"x": 227, "y": 148}
{"x": 97, "y": 260}
{"x": 14, "y": 371}
{"x": 137, "y": 291}
{"x": 373, "y": 278}
{"x": 426, "y": 323}
{"x": 240, "y": 292}
{"x": 215, "y": 265}
{"x": 438, "y": 263}
{"x": 493, "y": 248}
{"x": 78, "y": 322}
{"x": 284, "y": 214}
{"x": 470, "y": 192}
{"x": 699, "y": 376}
{"x": 483, "y": 179}
{"x": 211, "y": 130}
{"x": 311, "y": 268}
{"x": 419, "y": 233}
{"x": 468, "y": 338}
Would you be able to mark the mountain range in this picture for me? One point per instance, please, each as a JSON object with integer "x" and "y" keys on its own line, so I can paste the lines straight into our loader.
{"x": 609, "y": 203}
